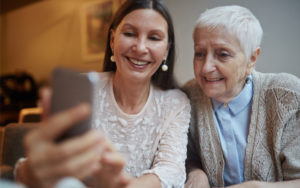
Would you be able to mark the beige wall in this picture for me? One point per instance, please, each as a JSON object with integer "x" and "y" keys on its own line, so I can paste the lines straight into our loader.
{"x": 38, "y": 37}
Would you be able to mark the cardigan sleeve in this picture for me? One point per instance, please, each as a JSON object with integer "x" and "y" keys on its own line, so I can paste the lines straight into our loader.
{"x": 193, "y": 159}
{"x": 290, "y": 148}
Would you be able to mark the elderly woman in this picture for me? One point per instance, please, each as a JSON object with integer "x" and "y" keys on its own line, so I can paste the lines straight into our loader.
{"x": 245, "y": 127}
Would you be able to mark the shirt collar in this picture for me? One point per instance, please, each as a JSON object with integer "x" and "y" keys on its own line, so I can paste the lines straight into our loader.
{"x": 239, "y": 102}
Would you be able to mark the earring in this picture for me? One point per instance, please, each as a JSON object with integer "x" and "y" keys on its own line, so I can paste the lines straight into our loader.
{"x": 164, "y": 66}
{"x": 248, "y": 80}
{"x": 112, "y": 58}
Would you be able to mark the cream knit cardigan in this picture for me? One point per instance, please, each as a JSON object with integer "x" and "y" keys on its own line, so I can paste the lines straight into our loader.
{"x": 273, "y": 143}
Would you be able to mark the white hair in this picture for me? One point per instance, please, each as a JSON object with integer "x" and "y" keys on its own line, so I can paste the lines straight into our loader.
{"x": 236, "y": 20}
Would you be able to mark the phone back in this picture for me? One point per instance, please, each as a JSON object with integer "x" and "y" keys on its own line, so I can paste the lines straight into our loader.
{"x": 71, "y": 88}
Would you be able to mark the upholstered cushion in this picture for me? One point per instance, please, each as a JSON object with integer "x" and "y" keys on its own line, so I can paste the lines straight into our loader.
{"x": 12, "y": 146}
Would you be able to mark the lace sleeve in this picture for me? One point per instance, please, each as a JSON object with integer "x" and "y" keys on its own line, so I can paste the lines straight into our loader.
{"x": 169, "y": 161}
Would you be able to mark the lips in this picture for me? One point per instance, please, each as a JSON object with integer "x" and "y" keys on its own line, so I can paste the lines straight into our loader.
{"x": 138, "y": 62}
{"x": 213, "y": 79}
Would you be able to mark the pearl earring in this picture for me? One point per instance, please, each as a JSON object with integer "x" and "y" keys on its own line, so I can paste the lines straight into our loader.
{"x": 164, "y": 67}
{"x": 112, "y": 58}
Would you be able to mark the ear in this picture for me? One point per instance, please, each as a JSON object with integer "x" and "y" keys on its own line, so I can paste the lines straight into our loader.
{"x": 253, "y": 60}
{"x": 112, "y": 38}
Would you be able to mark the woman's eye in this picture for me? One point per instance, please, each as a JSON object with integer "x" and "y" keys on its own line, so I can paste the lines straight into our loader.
{"x": 154, "y": 38}
{"x": 129, "y": 34}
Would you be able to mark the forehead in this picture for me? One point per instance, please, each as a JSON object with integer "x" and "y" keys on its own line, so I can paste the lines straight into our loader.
{"x": 145, "y": 18}
{"x": 218, "y": 36}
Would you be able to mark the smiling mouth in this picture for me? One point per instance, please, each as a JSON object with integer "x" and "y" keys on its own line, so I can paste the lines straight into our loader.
{"x": 138, "y": 62}
{"x": 213, "y": 79}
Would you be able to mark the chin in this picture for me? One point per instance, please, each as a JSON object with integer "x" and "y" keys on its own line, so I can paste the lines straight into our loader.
{"x": 212, "y": 94}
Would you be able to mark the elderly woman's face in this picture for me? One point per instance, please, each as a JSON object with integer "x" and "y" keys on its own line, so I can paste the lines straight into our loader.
{"x": 220, "y": 64}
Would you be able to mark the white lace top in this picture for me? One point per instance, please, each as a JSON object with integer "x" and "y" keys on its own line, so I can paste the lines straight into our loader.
{"x": 155, "y": 139}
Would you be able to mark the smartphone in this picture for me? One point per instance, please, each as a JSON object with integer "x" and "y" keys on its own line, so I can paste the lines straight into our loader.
{"x": 71, "y": 88}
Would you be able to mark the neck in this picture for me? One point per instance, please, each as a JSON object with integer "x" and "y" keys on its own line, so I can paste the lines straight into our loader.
{"x": 131, "y": 96}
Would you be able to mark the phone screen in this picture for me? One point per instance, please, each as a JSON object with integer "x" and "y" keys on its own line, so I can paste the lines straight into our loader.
{"x": 71, "y": 88}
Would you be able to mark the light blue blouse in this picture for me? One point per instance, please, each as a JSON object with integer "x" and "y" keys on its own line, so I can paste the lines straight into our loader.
{"x": 232, "y": 122}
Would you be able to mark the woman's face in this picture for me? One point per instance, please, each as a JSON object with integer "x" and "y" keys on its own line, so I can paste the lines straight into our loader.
{"x": 220, "y": 64}
{"x": 139, "y": 44}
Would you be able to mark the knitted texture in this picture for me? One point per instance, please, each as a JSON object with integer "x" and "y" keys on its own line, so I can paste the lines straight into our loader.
{"x": 272, "y": 151}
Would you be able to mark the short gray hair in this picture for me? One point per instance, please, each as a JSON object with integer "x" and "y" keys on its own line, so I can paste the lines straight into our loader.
{"x": 236, "y": 20}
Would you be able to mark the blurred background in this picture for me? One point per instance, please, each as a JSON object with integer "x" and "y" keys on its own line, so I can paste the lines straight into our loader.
{"x": 38, "y": 35}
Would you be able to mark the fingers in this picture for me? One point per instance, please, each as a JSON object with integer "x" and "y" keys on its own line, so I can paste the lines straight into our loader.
{"x": 79, "y": 166}
{"x": 78, "y": 157}
{"x": 55, "y": 126}
{"x": 110, "y": 173}
{"x": 93, "y": 141}
{"x": 113, "y": 162}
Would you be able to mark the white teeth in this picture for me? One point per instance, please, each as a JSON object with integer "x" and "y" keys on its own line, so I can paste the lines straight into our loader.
{"x": 213, "y": 79}
{"x": 136, "y": 62}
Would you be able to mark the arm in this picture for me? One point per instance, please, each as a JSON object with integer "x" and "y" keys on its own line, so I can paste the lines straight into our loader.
{"x": 196, "y": 177}
{"x": 110, "y": 175}
{"x": 147, "y": 180}
{"x": 168, "y": 165}
{"x": 81, "y": 157}
{"x": 48, "y": 161}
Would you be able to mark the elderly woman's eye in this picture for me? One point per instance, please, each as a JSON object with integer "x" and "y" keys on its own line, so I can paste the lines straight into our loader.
{"x": 199, "y": 54}
{"x": 224, "y": 54}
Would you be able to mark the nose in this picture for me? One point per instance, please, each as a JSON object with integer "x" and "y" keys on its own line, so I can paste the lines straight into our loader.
{"x": 209, "y": 64}
{"x": 140, "y": 45}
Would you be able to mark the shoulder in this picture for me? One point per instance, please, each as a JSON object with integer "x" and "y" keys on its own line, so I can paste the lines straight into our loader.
{"x": 280, "y": 91}
{"x": 105, "y": 76}
{"x": 277, "y": 81}
{"x": 171, "y": 94}
{"x": 190, "y": 86}
{"x": 193, "y": 91}
{"x": 102, "y": 78}
{"x": 176, "y": 93}
{"x": 173, "y": 98}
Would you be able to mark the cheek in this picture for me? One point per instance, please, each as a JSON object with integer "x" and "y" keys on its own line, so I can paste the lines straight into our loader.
{"x": 197, "y": 67}
{"x": 122, "y": 44}
{"x": 242, "y": 71}
{"x": 197, "y": 70}
{"x": 159, "y": 51}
